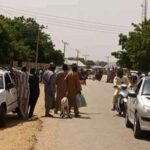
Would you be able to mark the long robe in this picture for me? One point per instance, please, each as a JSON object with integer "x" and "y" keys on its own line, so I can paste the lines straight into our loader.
{"x": 23, "y": 91}
{"x": 61, "y": 88}
{"x": 49, "y": 81}
{"x": 73, "y": 87}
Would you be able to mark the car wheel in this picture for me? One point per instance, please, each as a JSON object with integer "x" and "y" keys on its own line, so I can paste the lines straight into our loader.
{"x": 2, "y": 116}
{"x": 137, "y": 129}
{"x": 127, "y": 122}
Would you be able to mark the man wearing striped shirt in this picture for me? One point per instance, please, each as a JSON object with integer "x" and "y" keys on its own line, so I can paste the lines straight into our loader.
{"x": 23, "y": 90}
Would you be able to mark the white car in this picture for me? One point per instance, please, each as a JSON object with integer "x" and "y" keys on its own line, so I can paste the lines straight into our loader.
{"x": 8, "y": 96}
{"x": 138, "y": 107}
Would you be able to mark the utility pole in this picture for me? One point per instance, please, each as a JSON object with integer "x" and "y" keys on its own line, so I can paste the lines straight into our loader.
{"x": 37, "y": 49}
{"x": 77, "y": 55}
{"x": 85, "y": 58}
{"x": 65, "y": 44}
{"x": 37, "y": 45}
{"x": 144, "y": 10}
{"x": 108, "y": 60}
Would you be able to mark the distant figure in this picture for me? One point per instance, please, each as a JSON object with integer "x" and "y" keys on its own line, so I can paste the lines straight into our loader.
{"x": 49, "y": 88}
{"x": 61, "y": 87}
{"x": 82, "y": 76}
{"x": 73, "y": 88}
{"x": 34, "y": 91}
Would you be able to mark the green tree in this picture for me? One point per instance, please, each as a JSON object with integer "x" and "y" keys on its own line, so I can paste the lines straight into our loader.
{"x": 135, "y": 53}
{"x": 18, "y": 39}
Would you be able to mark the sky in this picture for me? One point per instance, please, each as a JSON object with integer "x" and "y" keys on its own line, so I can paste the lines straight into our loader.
{"x": 90, "y": 26}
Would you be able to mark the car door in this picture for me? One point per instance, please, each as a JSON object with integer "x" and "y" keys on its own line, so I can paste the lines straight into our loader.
{"x": 133, "y": 100}
{"x": 11, "y": 93}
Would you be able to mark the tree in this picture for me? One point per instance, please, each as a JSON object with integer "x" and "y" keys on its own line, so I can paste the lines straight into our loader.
{"x": 4, "y": 45}
{"x": 18, "y": 37}
{"x": 135, "y": 53}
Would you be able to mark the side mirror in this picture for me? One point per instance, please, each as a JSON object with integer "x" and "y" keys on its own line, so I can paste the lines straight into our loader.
{"x": 132, "y": 94}
{"x": 9, "y": 86}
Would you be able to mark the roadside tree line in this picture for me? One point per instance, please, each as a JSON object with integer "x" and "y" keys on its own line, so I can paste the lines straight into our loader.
{"x": 135, "y": 48}
{"x": 18, "y": 41}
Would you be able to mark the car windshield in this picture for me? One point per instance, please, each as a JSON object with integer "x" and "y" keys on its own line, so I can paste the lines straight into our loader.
{"x": 1, "y": 82}
{"x": 146, "y": 87}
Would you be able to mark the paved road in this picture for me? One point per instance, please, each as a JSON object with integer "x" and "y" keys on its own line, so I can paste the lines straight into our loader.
{"x": 98, "y": 129}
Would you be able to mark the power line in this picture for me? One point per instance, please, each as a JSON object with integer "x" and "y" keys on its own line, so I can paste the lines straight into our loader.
{"x": 77, "y": 55}
{"x": 74, "y": 26}
{"x": 63, "y": 18}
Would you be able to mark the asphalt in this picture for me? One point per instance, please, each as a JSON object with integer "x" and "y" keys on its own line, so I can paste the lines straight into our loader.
{"x": 98, "y": 128}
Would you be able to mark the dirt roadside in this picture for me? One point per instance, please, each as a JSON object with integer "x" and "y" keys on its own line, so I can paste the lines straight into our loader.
{"x": 20, "y": 134}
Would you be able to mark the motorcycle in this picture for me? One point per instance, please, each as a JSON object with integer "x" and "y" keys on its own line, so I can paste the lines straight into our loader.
{"x": 122, "y": 99}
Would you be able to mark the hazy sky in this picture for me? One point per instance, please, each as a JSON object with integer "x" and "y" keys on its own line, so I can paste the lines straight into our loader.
{"x": 91, "y": 26}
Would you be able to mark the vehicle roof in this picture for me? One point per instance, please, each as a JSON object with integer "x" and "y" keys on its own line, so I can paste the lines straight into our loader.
{"x": 3, "y": 71}
{"x": 146, "y": 77}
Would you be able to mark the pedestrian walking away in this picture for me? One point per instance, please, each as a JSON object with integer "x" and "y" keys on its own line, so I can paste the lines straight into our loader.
{"x": 34, "y": 91}
{"x": 49, "y": 78}
{"x": 73, "y": 88}
{"x": 61, "y": 87}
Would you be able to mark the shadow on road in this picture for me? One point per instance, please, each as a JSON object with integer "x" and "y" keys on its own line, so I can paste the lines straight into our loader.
{"x": 90, "y": 113}
{"x": 13, "y": 120}
{"x": 71, "y": 117}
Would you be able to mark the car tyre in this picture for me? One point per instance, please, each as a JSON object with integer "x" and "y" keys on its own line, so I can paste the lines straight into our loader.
{"x": 127, "y": 122}
{"x": 137, "y": 129}
{"x": 2, "y": 116}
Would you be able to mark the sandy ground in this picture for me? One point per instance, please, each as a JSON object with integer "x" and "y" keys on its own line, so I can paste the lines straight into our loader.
{"x": 21, "y": 134}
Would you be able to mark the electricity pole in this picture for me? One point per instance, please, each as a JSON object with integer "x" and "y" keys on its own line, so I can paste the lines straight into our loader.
{"x": 37, "y": 46}
{"x": 85, "y": 58}
{"x": 65, "y": 44}
{"x": 144, "y": 10}
{"x": 108, "y": 60}
{"x": 77, "y": 55}
{"x": 37, "y": 49}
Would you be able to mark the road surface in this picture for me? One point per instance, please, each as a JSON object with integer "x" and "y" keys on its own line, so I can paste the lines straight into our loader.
{"x": 98, "y": 129}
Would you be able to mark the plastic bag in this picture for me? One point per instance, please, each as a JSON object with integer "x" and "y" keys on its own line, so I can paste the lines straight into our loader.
{"x": 80, "y": 100}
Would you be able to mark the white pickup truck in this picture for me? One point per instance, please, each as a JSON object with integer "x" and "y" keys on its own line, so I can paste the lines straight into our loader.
{"x": 8, "y": 96}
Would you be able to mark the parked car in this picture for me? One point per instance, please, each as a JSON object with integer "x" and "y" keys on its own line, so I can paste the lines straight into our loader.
{"x": 8, "y": 96}
{"x": 138, "y": 107}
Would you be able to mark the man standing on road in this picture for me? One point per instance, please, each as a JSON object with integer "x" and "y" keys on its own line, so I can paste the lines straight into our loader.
{"x": 49, "y": 88}
{"x": 23, "y": 90}
{"x": 73, "y": 88}
{"x": 61, "y": 87}
{"x": 34, "y": 91}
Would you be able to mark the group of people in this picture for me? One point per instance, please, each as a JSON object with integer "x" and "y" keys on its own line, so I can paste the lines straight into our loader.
{"x": 63, "y": 84}
{"x": 27, "y": 91}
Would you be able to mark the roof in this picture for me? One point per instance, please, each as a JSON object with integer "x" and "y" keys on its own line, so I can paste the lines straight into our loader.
{"x": 98, "y": 67}
{"x": 3, "y": 71}
{"x": 111, "y": 64}
{"x": 70, "y": 62}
